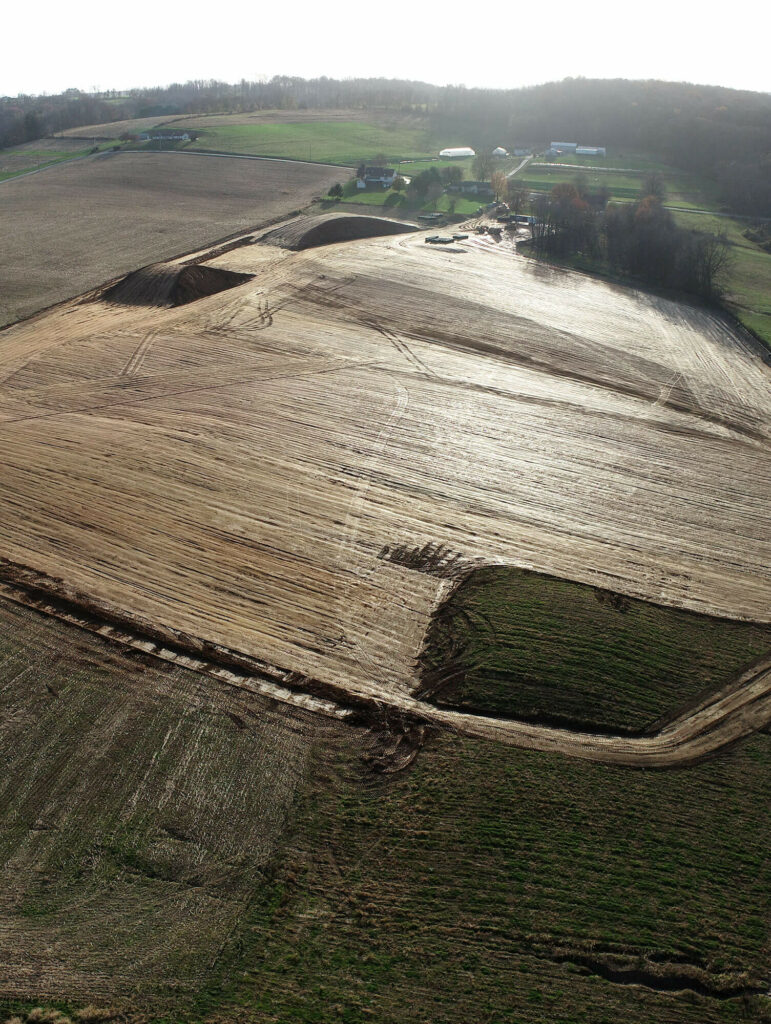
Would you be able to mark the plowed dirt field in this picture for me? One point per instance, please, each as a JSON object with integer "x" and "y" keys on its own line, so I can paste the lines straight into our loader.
{"x": 233, "y": 469}
{"x": 73, "y": 226}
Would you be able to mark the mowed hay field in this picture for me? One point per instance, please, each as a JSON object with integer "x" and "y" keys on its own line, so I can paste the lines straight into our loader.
{"x": 233, "y": 468}
{"x": 73, "y": 226}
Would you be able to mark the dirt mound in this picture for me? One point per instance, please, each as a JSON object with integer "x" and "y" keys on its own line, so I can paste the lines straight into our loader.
{"x": 309, "y": 232}
{"x": 166, "y": 284}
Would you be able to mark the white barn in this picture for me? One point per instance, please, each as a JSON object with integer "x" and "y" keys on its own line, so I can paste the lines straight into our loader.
{"x": 456, "y": 152}
{"x": 499, "y": 151}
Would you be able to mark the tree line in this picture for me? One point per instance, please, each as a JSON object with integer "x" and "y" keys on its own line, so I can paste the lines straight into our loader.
{"x": 638, "y": 240}
{"x": 724, "y": 134}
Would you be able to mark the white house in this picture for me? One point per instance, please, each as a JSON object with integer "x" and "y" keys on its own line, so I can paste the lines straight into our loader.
{"x": 374, "y": 176}
{"x": 457, "y": 152}
{"x": 499, "y": 151}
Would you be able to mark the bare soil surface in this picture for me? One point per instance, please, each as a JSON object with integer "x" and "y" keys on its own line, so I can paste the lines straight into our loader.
{"x": 114, "y": 129}
{"x": 309, "y": 231}
{"x": 233, "y": 468}
{"x": 73, "y": 226}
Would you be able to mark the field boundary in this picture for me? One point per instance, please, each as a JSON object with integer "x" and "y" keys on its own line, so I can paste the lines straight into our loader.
{"x": 738, "y": 710}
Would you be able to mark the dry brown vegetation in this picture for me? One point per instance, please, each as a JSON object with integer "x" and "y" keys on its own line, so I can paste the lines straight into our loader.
{"x": 72, "y": 226}
{"x": 232, "y": 469}
{"x": 249, "y": 476}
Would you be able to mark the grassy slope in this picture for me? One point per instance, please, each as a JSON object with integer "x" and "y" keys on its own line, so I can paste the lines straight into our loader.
{"x": 748, "y": 284}
{"x": 447, "y": 894}
{"x": 400, "y": 201}
{"x": 45, "y": 158}
{"x": 536, "y": 647}
{"x": 345, "y": 143}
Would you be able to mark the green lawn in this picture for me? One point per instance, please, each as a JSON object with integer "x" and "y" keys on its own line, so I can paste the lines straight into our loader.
{"x": 534, "y": 647}
{"x": 400, "y": 201}
{"x": 347, "y": 143}
{"x": 681, "y": 189}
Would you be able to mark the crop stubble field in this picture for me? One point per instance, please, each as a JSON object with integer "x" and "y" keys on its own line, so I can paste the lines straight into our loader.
{"x": 235, "y": 468}
{"x": 73, "y": 226}
{"x": 257, "y": 449}
{"x": 139, "y": 809}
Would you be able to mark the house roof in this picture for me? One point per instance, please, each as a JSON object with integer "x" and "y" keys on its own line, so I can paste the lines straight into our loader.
{"x": 379, "y": 172}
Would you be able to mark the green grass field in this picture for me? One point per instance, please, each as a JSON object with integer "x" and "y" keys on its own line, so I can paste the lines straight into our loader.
{"x": 400, "y": 201}
{"x": 683, "y": 190}
{"x": 347, "y": 143}
{"x": 468, "y": 889}
{"x": 748, "y": 283}
{"x": 533, "y": 647}
{"x": 634, "y": 161}
{"x": 39, "y": 159}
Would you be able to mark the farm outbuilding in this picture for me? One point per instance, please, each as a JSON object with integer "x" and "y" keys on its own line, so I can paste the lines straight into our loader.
{"x": 590, "y": 151}
{"x": 499, "y": 151}
{"x": 457, "y": 152}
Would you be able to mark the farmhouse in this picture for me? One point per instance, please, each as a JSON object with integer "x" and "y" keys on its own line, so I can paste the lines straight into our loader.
{"x": 374, "y": 176}
{"x": 457, "y": 152}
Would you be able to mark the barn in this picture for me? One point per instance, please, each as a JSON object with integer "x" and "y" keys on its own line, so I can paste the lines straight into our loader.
{"x": 457, "y": 152}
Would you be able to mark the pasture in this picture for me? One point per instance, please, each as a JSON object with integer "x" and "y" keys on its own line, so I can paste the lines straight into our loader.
{"x": 681, "y": 190}
{"x": 336, "y": 142}
{"x": 520, "y": 645}
{"x": 76, "y": 225}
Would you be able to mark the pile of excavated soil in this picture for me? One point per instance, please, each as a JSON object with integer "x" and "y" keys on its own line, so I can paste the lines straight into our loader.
{"x": 169, "y": 284}
{"x": 309, "y": 232}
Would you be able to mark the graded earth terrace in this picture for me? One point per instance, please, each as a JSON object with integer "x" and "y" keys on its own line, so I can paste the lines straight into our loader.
{"x": 232, "y": 469}
{"x": 316, "y": 502}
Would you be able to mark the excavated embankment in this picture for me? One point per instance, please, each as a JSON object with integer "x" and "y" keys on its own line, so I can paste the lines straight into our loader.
{"x": 310, "y": 232}
{"x": 169, "y": 284}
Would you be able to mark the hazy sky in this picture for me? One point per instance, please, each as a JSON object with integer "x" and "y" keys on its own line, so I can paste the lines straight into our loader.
{"x": 84, "y": 44}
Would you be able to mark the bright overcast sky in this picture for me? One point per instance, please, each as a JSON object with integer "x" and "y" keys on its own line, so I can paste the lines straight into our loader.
{"x": 49, "y": 46}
